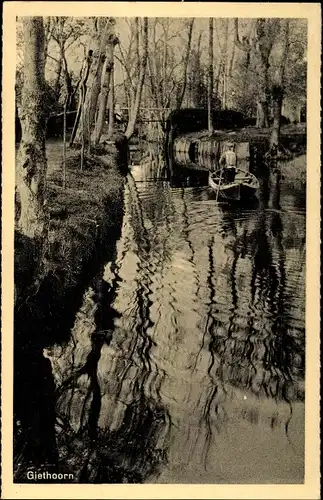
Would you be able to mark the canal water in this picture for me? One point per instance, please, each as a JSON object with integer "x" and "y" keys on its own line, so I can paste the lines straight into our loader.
{"x": 186, "y": 360}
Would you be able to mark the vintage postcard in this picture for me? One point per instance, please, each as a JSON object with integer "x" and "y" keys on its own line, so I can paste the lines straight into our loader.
{"x": 160, "y": 250}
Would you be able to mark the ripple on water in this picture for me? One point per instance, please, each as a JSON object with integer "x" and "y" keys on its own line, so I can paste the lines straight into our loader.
{"x": 202, "y": 379}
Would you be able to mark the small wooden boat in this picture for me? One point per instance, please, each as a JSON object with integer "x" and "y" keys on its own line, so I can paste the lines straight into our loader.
{"x": 244, "y": 186}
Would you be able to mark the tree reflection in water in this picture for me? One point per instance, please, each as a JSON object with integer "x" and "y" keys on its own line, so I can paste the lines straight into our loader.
{"x": 197, "y": 308}
{"x": 263, "y": 357}
{"x": 131, "y": 448}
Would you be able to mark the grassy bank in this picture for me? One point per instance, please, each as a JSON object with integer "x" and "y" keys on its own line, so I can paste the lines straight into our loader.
{"x": 84, "y": 218}
{"x": 82, "y": 215}
{"x": 84, "y": 224}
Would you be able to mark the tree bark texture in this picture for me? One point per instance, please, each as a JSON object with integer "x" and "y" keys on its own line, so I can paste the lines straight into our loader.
{"x": 164, "y": 77}
{"x": 32, "y": 163}
{"x": 107, "y": 72}
{"x": 210, "y": 79}
{"x": 266, "y": 31}
{"x": 263, "y": 102}
{"x": 57, "y": 84}
{"x": 243, "y": 44}
{"x": 137, "y": 40}
{"x": 68, "y": 83}
{"x": 277, "y": 94}
{"x": 220, "y": 69}
{"x": 278, "y": 88}
{"x": 98, "y": 45}
{"x": 82, "y": 89}
{"x": 247, "y": 46}
{"x": 153, "y": 72}
{"x": 187, "y": 56}
{"x": 111, "y": 102}
{"x": 48, "y": 29}
{"x": 135, "y": 108}
{"x": 195, "y": 74}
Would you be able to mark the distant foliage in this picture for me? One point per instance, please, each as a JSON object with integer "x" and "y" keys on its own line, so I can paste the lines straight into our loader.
{"x": 247, "y": 56}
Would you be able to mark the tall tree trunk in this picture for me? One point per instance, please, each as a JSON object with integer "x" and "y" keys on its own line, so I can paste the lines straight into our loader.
{"x": 243, "y": 44}
{"x": 48, "y": 29}
{"x": 187, "y": 55}
{"x": 57, "y": 86}
{"x": 103, "y": 99}
{"x": 68, "y": 83}
{"x": 69, "y": 90}
{"x": 153, "y": 73}
{"x": 94, "y": 81}
{"x": 111, "y": 106}
{"x": 210, "y": 79}
{"x": 135, "y": 108}
{"x": 82, "y": 89}
{"x": 133, "y": 77}
{"x": 225, "y": 65}
{"x": 262, "y": 115}
{"x": 217, "y": 79}
{"x": 105, "y": 86}
{"x": 152, "y": 77}
{"x": 231, "y": 62}
{"x": 277, "y": 94}
{"x": 155, "y": 91}
{"x": 263, "y": 101}
{"x": 137, "y": 40}
{"x": 196, "y": 76}
{"x": 229, "y": 77}
{"x": 163, "y": 87}
{"x": 266, "y": 32}
{"x": 32, "y": 164}
{"x": 278, "y": 88}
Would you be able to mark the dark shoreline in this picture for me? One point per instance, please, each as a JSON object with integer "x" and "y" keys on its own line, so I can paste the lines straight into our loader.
{"x": 85, "y": 225}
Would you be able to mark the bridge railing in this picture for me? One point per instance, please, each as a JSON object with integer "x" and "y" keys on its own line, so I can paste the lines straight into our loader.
{"x": 150, "y": 114}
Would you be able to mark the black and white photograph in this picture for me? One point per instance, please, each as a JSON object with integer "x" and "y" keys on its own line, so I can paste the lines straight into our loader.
{"x": 161, "y": 248}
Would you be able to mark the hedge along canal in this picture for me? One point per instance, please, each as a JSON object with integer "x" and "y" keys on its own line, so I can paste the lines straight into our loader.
{"x": 198, "y": 150}
{"x": 84, "y": 225}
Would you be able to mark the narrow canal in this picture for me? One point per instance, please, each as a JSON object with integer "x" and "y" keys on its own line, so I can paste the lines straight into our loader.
{"x": 186, "y": 361}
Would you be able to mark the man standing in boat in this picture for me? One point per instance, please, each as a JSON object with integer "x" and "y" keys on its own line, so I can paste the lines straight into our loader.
{"x": 228, "y": 161}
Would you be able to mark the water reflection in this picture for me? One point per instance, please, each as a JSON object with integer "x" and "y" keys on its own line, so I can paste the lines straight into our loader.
{"x": 108, "y": 426}
{"x": 187, "y": 358}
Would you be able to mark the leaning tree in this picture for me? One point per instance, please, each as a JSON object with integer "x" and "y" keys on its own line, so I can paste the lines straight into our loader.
{"x": 103, "y": 35}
